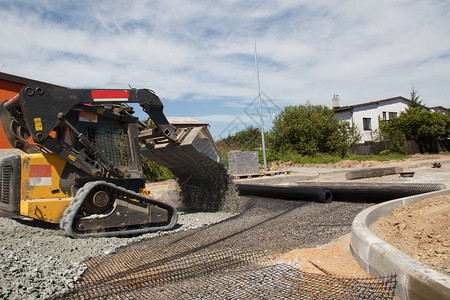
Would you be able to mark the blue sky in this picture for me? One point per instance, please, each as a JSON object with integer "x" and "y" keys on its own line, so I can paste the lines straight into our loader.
{"x": 198, "y": 56}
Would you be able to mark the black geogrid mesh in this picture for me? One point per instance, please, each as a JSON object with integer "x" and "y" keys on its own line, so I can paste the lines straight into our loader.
{"x": 200, "y": 269}
{"x": 272, "y": 282}
{"x": 228, "y": 260}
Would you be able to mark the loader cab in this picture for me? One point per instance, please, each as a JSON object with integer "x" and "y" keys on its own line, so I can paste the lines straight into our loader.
{"x": 114, "y": 134}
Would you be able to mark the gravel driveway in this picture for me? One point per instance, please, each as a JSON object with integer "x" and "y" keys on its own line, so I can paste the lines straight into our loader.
{"x": 37, "y": 261}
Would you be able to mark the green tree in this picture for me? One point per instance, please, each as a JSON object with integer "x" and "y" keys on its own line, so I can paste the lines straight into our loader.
{"x": 310, "y": 129}
{"x": 416, "y": 123}
{"x": 393, "y": 133}
{"x": 247, "y": 139}
{"x": 415, "y": 100}
{"x": 152, "y": 170}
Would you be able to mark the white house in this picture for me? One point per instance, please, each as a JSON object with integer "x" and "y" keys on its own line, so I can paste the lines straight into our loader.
{"x": 365, "y": 115}
{"x": 440, "y": 109}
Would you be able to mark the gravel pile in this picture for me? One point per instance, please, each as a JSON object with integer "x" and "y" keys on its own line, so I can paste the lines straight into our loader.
{"x": 37, "y": 260}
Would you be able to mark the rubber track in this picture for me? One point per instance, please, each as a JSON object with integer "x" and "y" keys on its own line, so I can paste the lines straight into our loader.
{"x": 68, "y": 218}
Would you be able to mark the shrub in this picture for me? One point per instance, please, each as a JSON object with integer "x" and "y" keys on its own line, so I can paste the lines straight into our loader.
{"x": 309, "y": 130}
{"x": 153, "y": 171}
{"x": 416, "y": 123}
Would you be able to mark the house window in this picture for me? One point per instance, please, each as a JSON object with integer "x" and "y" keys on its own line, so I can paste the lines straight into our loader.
{"x": 392, "y": 115}
{"x": 384, "y": 116}
{"x": 367, "y": 124}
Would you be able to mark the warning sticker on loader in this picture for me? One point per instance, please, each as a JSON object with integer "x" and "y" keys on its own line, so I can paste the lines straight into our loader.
{"x": 38, "y": 124}
{"x": 40, "y": 175}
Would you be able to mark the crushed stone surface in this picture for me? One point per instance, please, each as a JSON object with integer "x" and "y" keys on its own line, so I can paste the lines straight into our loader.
{"x": 37, "y": 260}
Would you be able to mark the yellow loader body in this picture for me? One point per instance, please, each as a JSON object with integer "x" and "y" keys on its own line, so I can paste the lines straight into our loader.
{"x": 41, "y": 197}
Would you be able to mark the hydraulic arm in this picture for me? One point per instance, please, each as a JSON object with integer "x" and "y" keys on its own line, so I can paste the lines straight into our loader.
{"x": 88, "y": 142}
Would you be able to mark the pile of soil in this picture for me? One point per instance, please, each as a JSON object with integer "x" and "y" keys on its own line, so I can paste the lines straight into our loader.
{"x": 334, "y": 259}
{"x": 420, "y": 230}
{"x": 281, "y": 165}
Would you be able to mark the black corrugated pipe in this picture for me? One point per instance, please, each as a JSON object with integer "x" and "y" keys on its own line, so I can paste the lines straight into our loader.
{"x": 340, "y": 191}
{"x": 302, "y": 193}
{"x": 372, "y": 192}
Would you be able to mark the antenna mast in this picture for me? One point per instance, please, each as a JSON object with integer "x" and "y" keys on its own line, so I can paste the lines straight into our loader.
{"x": 261, "y": 119}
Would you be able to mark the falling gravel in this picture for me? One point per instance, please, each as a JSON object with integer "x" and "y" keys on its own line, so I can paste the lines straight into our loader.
{"x": 37, "y": 260}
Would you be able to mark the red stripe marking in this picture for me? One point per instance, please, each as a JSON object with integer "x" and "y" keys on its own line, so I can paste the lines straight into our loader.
{"x": 14, "y": 99}
{"x": 40, "y": 171}
{"x": 109, "y": 94}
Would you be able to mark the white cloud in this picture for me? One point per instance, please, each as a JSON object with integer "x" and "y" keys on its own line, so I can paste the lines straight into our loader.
{"x": 308, "y": 50}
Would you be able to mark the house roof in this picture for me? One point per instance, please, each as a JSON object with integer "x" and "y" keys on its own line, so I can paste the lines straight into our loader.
{"x": 350, "y": 107}
{"x": 439, "y": 108}
{"x": 21, "y": 80}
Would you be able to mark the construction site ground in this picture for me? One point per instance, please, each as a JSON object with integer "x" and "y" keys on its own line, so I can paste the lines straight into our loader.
{"x": 37, "y": 261}
{"x": 428, "y": 240}
{"x": 421, "y": 230}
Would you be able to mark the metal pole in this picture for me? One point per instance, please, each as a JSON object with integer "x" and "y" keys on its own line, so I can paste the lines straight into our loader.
{"x": 261, "y": 120}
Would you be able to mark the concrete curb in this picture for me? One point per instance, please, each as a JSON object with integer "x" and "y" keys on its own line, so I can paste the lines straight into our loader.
{"x": 378, "y": 258}
{"x": 278, "y": 179}
{"x": 372, "y": 172}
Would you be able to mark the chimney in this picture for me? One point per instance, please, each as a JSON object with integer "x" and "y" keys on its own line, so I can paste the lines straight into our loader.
{"x": 336, "y": 102}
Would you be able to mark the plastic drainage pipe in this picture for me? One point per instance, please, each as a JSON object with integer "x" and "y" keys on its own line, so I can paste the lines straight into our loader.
{"x": 372, "y": 192}
{"x": 317, "y": 194}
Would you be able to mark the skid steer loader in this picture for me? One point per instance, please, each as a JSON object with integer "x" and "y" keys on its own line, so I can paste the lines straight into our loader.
{"x": 83, "y": 168}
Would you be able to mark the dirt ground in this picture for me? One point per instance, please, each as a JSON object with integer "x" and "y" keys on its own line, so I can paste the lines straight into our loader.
{"x": 421, "y": 230}
{"x": 334, "y": 259}
{"x": 279, "y": 165}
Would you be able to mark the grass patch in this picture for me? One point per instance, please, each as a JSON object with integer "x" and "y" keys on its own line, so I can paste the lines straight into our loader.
{"x": 154, "y": 172}
{"x": 379, "y": 157}
{"x": 434, "y": 154}
{"x": 302, "y": 159}
{"x": 330, "y": 159}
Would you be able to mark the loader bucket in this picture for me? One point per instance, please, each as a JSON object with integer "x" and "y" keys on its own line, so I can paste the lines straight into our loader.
{"x": 196, "y": 155}
{"x": 198, "y": 166}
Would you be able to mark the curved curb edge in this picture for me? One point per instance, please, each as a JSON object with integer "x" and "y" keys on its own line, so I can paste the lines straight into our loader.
{"x": 378, "y": 258}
